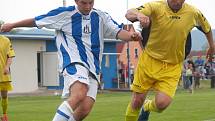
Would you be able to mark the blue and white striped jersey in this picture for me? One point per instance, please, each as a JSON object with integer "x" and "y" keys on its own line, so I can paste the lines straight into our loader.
{"x": 79, "y": 38}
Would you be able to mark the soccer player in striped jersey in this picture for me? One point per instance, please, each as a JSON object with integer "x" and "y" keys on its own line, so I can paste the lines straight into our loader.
{"x": 160, "y": 65}
{"x": 80, "y": 33}
{"x": 6, "y": 55}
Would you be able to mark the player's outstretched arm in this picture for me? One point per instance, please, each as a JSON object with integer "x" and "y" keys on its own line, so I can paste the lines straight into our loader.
{"x": 23, "y": 23}
{"x": 211, "y": 49}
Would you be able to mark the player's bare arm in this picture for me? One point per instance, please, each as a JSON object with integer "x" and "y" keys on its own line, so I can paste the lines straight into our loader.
{"x": 23, "y": 23}
{"x": 211, "y": 48}
{"x": 129, "y": 36}
{"x": 134, "y": 15}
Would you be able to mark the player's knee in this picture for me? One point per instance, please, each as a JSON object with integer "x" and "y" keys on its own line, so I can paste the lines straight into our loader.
{"x": 137, "y": 103}
{"x": 84, "y": 113}
{"x": 82, "y": 116}
{"x": 162, "y": 104}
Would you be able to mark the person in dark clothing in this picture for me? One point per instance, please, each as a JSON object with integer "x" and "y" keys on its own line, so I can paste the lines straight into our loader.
{"x": 211, "y": 69}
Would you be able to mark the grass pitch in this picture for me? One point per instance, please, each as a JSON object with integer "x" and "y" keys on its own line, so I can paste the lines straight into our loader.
{"x": 111, "y": 106}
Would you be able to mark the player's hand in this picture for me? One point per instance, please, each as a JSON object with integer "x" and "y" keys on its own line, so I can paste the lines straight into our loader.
{"x": 144, "y": 20}
{"x": 6, "y": 70}
{"x": 6, "y": 27}
{"x": 210, "y": 53}
{"x": 136, "y": 36}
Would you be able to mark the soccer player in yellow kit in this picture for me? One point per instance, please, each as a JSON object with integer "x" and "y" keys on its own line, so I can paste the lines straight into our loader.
{"x": 160, "y": 65}
{"x": 6, "y": 55}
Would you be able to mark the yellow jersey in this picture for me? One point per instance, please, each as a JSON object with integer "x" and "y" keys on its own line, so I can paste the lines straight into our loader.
{"x": 6, "y": 51}
{"x": 169, "y": 30}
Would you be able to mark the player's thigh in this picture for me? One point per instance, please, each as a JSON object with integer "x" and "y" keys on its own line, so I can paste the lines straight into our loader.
{"x": 84, "y": 108}
{"x": 76, "y": 81}
{"x": 86, "y": 105}
{"x": 78, "y": 90}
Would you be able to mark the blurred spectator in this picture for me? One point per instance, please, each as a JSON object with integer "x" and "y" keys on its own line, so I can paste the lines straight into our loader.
{"x": 199, "y": 61}
{"x": 190, "y": 61}
{"x": 207, "y": 69}
{"x": 132, "y": 72}
{"x": 197, "y": 76}
{"x": 189, "y": 76}
{"x": 199, "y": 64}
{"x": 211, "y": 65}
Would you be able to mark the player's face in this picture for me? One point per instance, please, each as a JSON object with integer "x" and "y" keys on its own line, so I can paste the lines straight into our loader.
{"x": 175, "y": 5}
{"x": 85, "y": 6}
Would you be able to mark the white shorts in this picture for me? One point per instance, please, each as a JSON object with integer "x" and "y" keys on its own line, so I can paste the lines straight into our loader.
{"x": 79, "y": 73}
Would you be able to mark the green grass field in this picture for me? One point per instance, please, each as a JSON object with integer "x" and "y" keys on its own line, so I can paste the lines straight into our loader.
{"x": 111, "y": 106}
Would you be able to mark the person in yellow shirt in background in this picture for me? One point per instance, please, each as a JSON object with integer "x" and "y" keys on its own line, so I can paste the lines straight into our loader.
{"x": 160, "y": 64}
{"x": 6, "y": 55}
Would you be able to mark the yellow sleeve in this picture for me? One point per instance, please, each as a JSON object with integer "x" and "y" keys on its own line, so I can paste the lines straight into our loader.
{"x": 202, "y": 22}
{"x": 11, "y": 52}
{"x": 146, "y": 9}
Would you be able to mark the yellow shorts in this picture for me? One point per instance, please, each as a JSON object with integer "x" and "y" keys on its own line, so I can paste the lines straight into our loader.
{"x": 6, "y": 86}
{"x": 156, "y": 74}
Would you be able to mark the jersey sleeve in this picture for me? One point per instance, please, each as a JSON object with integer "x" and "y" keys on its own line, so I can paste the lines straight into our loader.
{"x": 54, "y": 19}
{"x": 202, "y": 22}
{"x": 11, "y": 52}
{"x": 111, "y": 27}
{"x": 146, "y": 9}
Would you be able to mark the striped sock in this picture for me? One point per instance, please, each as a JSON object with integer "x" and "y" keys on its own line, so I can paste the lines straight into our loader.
{"x": 64, "y": 113}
